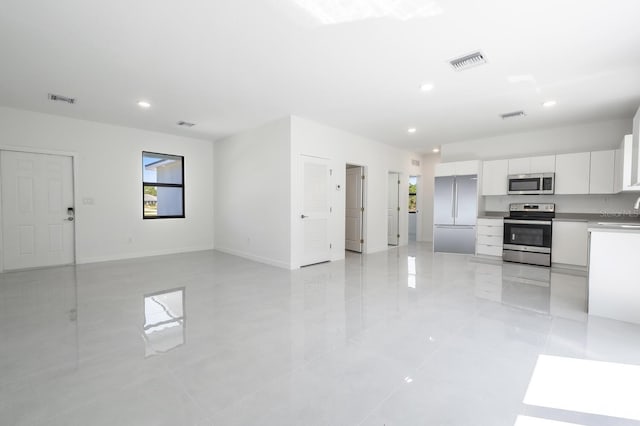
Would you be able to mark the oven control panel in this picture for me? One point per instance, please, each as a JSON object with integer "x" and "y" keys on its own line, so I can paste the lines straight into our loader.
{"x": 530, "y": 207}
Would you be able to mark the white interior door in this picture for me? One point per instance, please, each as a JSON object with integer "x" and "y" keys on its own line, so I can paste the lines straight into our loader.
{"x": 354, "y": 209}
{"x": 315, "y": 210}
{"x": 393, "y": 210}
{"x": 37, "y": 210}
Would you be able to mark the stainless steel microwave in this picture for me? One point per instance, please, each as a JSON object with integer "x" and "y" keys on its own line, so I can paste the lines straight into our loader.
{"x": 535, "y": 183}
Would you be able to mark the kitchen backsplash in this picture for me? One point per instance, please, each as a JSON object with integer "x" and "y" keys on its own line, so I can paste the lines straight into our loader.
{"x": 612, "y": 204}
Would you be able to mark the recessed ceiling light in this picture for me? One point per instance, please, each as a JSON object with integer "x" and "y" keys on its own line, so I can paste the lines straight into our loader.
{"x": 412, "y": 130}
{"x": 436, "y": 150}
{"x": 549, "y": 104}
{"x": 144, "y": 104}
{"x": 427, "y": 87}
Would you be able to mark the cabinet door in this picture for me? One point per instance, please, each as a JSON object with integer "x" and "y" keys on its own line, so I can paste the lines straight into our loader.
{"x": 445, "y": 169}
{"x": 572, "y": 173}
{"x": 624, "y": 165}
{"x": 543, "y": 164}
{"x": 494, "y": 177}
{"x": 569, "y": 243}
{"x": 519, "y": 166}
{"x": 467, "y": 167}
{"x": 618, "y": 184}
{"x": 601, "y": 178}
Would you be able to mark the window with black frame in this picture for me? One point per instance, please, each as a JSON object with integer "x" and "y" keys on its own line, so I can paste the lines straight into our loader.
{"x": 413, "y": 194}
{"x": 162, "y": 186}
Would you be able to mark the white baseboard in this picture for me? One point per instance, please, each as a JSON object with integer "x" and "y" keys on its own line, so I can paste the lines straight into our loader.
{"x": 255, "y": 258}
{"x": 97, "y": 259}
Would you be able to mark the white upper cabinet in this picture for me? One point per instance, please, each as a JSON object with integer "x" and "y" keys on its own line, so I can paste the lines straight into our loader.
{"x": 519, "y": 166}
{"x": 541, "y": 164}
{"x": 572, "y": 173}
{"x": 445, "y": 169}
{"x": 457, "y": 168}
{"x": 635, "y": 150}
{"x": 623, "y": 166}
{"x": 494, "y": 177}
{"x": 602, "y": 175}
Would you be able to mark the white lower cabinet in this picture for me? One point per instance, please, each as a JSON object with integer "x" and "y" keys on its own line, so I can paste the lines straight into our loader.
{"x": 569, "y": 242}
{"x": 613, "y": 283}
{"x": 489, "y": 238}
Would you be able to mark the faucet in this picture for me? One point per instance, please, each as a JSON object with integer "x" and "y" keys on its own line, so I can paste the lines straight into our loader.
{"x": 636, "y": 206}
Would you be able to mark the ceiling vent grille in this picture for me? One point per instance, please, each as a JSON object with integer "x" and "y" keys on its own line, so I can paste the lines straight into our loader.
{"x": 468, "y": 61}
{"x": 60, "y": 98}
{"x": 513, "y": 114}
{"x": 186, "y": 124}
{"x": 415, "y": 162}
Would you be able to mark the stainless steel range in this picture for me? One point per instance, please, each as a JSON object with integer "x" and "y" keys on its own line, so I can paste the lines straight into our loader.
{"x": 527, "y": 233}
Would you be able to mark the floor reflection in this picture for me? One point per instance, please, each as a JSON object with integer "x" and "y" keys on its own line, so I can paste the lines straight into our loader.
{"x": 533, "y": 288}
{"x": 411, "y": 272}
{"x": 164, "y": 321}
{"x": 38, "y": 324}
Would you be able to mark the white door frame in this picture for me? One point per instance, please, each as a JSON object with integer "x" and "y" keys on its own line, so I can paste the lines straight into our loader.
{"x": 364, "y": 201}
{"x": 74, "y": 168}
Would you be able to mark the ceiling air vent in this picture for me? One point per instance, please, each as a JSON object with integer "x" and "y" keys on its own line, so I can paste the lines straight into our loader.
{"x": 513, "y": 114}
{"x": 60, "y": 98}
{"x": 415, "y": 162}
{"x": 185, "y": 124}
{"x": 468, "y": 61}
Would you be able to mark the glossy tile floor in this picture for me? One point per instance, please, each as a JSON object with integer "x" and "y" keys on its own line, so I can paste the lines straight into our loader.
{"x": 404, "y": 337}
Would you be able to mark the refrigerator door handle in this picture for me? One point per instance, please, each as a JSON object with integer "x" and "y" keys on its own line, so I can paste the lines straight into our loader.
{"x": 455, "y": 199}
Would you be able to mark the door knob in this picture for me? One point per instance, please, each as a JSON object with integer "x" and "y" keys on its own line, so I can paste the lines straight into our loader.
{"x": 70, "y": 219}
{"x": 303, "y": 216}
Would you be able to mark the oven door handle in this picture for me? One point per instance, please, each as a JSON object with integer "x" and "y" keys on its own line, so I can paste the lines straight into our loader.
{"x": 527, "y": 222}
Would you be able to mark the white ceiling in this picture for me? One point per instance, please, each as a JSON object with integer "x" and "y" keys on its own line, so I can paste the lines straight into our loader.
{"x": 230, "y": 65}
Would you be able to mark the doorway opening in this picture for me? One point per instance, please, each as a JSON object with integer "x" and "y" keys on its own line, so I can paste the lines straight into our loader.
{"x": 354, "y": 208}
{"x": 414, "y": 221}
{"x": 393, "y": 209}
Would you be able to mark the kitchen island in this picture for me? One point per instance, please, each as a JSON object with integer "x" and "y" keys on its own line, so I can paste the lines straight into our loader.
{"x": 614, "y": 271}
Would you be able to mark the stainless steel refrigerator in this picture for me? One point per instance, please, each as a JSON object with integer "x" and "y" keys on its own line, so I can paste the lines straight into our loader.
{"x": 455, "y": 210}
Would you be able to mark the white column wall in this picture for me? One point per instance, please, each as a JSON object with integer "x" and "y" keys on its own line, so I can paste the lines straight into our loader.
{"x": 252, "y": 194}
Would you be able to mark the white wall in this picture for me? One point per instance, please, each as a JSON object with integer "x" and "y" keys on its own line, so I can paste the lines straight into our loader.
{"x": 577, "y": 138}
{"x": 252, "y": 185}
{"x": 109, "y": 171}
{"x": 340, "y": 147}
{"x": 428, "y": 168}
